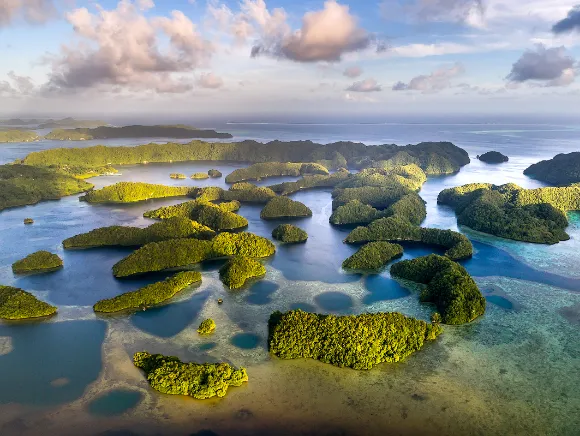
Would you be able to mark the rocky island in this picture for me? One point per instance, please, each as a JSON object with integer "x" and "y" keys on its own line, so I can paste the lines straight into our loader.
{"x": 493, "y": 157}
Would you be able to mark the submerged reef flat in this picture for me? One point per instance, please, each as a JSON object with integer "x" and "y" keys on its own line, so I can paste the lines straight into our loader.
{"x": 449, "y": 287}
{"x": 358, "y": 342}
{"x": 38, "y": 262}
{"x": 169, "y": 375}
{"x": 509, "y": 211}
{"x": 150, "y": 295}
{"x": 171, "y": 228}
{"x": 17, "y": 304}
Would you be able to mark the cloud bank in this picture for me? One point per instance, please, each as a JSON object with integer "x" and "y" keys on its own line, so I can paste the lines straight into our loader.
{"x": 32, "y": 11}
{"x": 547, "y": 66}
{"x": 438, "y": 80}
{"x": 368, "y": 85}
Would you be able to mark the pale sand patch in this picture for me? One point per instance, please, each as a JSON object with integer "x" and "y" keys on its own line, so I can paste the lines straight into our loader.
{"x": 6, "y": 346}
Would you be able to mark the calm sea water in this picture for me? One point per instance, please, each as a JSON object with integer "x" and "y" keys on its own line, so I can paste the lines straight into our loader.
{"x": 514, "y": 371}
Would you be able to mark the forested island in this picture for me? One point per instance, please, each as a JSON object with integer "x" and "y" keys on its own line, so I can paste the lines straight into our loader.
{"x": 53, "y": 124}
{"x": 137, "y": 131}
{"x": 509, "y": 211}
{"x": 16, "y": 135}
{"x": 562, "y": 169}
{"x": 38, "y": 262}
{"x": 493, "y": 157}
{"x": 16, "y": 304}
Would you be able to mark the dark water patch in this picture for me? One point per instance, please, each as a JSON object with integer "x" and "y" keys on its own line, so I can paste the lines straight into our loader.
{"x": 334, "y": 301}
{"x": 383, "y": 289}
{"x": 207, "y": 347}
{"x": 261, "y": 293}
{"x": 170, "y": 320}
{"x": 571, "y": 313}
{"x": 212, "y": 265}
{"x": 306, "y": 307}
{"x": 115, "y": 402}
{"x": 500, "y": 301}
{"x": 491, "y": 261}
{"x": 51, "y": 363}
{"x": 246, "y": 341}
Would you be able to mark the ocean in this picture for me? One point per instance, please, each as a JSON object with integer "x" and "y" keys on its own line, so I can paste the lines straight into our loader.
{"x": 515, "y": 371}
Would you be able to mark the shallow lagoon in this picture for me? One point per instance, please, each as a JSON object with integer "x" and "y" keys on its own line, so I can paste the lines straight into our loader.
{"x": 515, "y": 371}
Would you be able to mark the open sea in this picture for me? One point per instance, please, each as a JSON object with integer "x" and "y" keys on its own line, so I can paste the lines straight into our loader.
{"x": 514, "y": 371}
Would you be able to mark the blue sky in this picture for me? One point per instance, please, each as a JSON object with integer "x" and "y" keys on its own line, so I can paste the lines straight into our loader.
{"x": 333, "y": 56}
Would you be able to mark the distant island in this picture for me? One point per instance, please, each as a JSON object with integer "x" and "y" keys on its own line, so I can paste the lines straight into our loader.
{"x": 563, "y": 169}
{"x": 493, "y": 157}
{"x": 17, "y": 135}
{"x": 53, "y": 124}
{"x": 136, "y": 131}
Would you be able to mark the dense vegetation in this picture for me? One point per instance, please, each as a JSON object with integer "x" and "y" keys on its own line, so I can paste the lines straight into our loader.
{"x": 432, "y": 157}
{"x": 106, "y": 132}
{"x": 214, "y": 174}
{"x": 177, "y": 176}
{"x": 289, "y": 234}
{"x": 358, "y": 342}
{"x": 406, "y": 176}
{"x": 449, "y": 287}
{"x": 172, "y": 228}
{"x": 312, "y": 182}
{"x": 283, "y": 207}
{"x": 217, "y": 217}
{"x": 169, "y": 375}
{"x": 493, "y": 157}
{"x": 37, "y": 262}
{"x": 22, "y": 185}
{"x": 17, "y": 135}
{"x": 373, "y": 256}
{"x": 248, "y": 193}
{"x": 264, "y": 170}
{"x": 18, "y": 304}
{"x": 239, "y": 269}
{"x": 200, "y": 176}
{"x": 149, "y": 295}
{"x": 206, "y": 327}
{"x": 130, "y": 192}
{"x": 395, "y": 229}
{"x": 562, "y": 169}
{"x": 174, "y": 253}
{"x": 509, "y": 211}
{"x": 377, "y": 197}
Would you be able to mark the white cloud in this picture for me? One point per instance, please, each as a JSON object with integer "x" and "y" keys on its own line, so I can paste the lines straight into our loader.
{"x": 33, "y": 11}
{"x": 367, "y": 85}
{"x": 210, "y": 81}
{"x": 353, "y": 72}
{"x": 436, "y": 81}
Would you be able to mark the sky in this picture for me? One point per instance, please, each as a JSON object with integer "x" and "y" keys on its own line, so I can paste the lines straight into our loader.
{"x": 310, "y": 57}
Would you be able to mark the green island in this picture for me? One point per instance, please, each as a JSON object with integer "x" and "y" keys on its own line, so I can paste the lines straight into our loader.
{"x": 449, "y": 287}
{"x": 394, "y": 229}
{"x": 240, "y": 269}
{"x": 169, "y": 375}
{"x": 248, "y": 193}
{"x": 509, "y": 211}
{"x": 122, "y": 236}
{"x": 373, "y": 256}
{"x": 17, "y": 304}
{"x": 41, "y": 261}
{"x": 218, "y": 217}
{"x": 284, "y": 207}
{"x": 562, "y": 169}
{"x": 264, "y": 170}
{"x": 354, "y": 341}
{"x": 130, "y": 192}
{"x": 21, "y": 185}
{"x": 70, "y": 123}
{"x": 137, "y": 131}
{"x": 17, "y": 135}
{"x": 432, "y": 157}
{"x": 159, "y": 256}
{"x": 84, "y": 172}
{"x": 177, "y": 176}
{"x": 289, "y": 234}
{"x": 150, "y": 295}
{"x": 493, "y": 157}
{"x": 317, "y": 181}
{"x": 206, "y": 327}
{"x": 200, "y": 176}
{"x": 214, "y": 174}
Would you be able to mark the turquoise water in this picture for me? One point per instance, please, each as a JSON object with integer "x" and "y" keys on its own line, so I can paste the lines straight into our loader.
{"x": 514, "y": 371}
